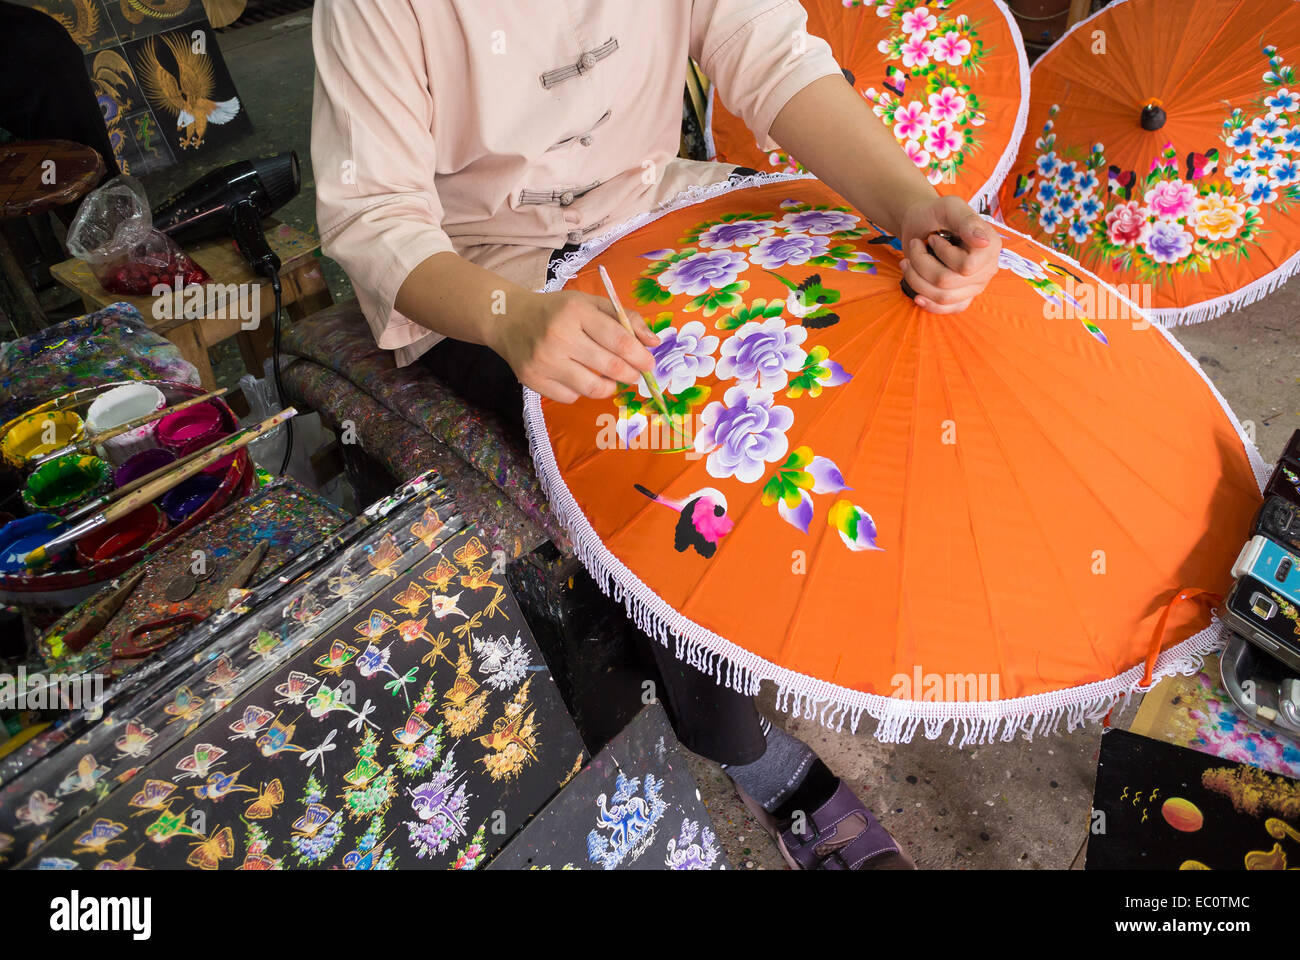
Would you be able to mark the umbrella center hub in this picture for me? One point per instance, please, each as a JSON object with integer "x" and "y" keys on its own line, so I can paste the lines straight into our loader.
{"x": 1153, "y": 116}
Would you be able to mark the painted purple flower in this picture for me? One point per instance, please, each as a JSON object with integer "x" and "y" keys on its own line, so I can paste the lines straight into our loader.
{"x": 738, "y": 233}
{"x": 794, "y": 249}
{"x": 818, "y": 221}
{"x": 742, "y": 432}
{"x": 764, "y": 354}
{"x": 1166, "y": 241}
{"x": 682, "y": 357}
{"x": 700, "y": 271}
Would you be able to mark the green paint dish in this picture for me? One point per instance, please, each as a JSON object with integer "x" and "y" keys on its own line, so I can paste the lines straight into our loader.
{"x": 58, "y": 486}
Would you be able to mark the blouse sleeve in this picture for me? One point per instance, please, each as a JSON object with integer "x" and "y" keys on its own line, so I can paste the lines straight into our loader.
{"x": 373, "y": 155}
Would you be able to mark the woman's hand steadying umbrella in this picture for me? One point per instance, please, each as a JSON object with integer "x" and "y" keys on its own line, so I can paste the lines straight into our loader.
{"x": 829, "y": 128}
{"x": 947, "y": 276}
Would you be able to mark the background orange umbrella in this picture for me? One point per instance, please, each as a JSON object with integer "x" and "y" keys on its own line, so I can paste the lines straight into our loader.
{"x": 1164, "y": 152}
{"x": 949, "y": 76}
{"x": 986, "y": 518}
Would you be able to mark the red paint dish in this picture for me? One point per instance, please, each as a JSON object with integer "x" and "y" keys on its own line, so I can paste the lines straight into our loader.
{"x": 123, "y": 536}
{"x": 198, "y": 425}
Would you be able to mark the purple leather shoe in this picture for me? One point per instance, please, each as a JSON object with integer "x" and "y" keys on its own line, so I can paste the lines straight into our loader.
{"x": 841, "y": 834}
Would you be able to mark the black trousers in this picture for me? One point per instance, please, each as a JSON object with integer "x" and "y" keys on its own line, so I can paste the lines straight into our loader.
{"x": 45, "y": 93}
{"x": 708, "y": 718}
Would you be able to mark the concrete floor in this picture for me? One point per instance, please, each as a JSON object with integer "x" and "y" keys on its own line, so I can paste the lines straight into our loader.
{"x": 1021, "y": 804}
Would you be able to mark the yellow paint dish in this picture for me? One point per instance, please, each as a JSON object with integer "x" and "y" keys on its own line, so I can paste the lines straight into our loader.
{"x": 38, "y": 434}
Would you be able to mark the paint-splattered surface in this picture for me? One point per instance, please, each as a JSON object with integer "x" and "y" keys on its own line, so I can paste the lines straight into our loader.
{"x": 339, "y": 340}
{"x": 284, "y": 515}
{"x": 110, "y": 344}
{"x": 634, "y": 807}
{"x": 405, "y": 450}
{"x": 421, "y": 732}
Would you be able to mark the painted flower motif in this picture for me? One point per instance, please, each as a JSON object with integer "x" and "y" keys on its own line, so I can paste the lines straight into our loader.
{"x": 630, "y": 426}
{"x": 1291, "y": 139}
{"x": 1067, "y": 173}
{"x": 917, "y": 52}
{"x": 1261, "y": 190}
{"x": 1087, "y": 183}
{"x": 819, "y": 221}
{"x": 737, "y": 233}
{"x": 1047, "y": 164}
{"x": 916, "y": 153}
{"x": 1020, "y": 265}
{"x": 796, "y": 480}
{"x": 1265, "y": 152}
{"x": 700, "y": 271}
{"x": 763, "y": 354}
{"x": 1078, "y": 231}
{"x": 917, "y": 23}
{"x": 854, "y": 525}
{"x": 742, "y": 432}
{"x": 1267, "y": 126}
{"x": 1242, "y": 140}
{"x": 1218, "y": 217}
{"x": 1124, "y": 223}
{"x": 883, "y": 7}
{"x": 1166, "y": 241}
{"x": 682, "y": 357}
{"x": 952, "y": 48}
{"x": 946, "y": 105}
{"x": 793, "y": 249}
{"x": 1047, "y": 192}
{"x": 1283, "y": 101}
{"x": 1171, "y": 199}
{"x": 1090, "y": 209}
{"x": 1049, "y": 218}
{"x": 910, "y": 122}
{"x": 1285, "y": 173}
{"x": 1067, "y": 204}
{"x": 1241, "y": 170}
{"x": 942, "y": 139}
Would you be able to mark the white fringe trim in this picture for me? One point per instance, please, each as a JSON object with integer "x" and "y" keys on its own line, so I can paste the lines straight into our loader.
{"x": 897, "y": 720}
{"x": 1164, "y": 316}
{"x": 985, "y": 198}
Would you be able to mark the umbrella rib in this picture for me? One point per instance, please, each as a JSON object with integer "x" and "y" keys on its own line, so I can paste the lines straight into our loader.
{"x": 1209, "y": 44}
{"x": 1015, "y": 476}
{"x": 1047, "y": 435}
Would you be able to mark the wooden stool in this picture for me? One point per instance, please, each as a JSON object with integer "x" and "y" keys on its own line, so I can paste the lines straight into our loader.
{"x": 302, "y": 283}
{"x": 36, "y": 175}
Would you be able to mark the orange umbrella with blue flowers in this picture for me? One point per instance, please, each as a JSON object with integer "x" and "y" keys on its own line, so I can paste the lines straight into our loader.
{"x": 949, "y": 77}
{"x": 1164, "y": 152}
{"x": 1002, "y": 519}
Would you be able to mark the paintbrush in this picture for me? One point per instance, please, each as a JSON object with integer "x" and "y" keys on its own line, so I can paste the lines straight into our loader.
{"x": 130, "y": 425}
{"x": 114, "y": 495}
{"x": 651, "y": 384}
{"x": 151, "y": 491}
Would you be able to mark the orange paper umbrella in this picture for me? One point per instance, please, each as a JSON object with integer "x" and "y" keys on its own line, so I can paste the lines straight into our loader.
{"x": 988, "y": 518}
{"x": 949, "y": 76}
{"x": 1164, "y": 152}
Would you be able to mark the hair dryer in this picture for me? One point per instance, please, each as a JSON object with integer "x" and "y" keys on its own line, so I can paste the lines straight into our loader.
{"x": 233, "y": 200}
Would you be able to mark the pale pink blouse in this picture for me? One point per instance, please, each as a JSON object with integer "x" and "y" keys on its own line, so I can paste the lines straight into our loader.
{"x": 462, "y": 125}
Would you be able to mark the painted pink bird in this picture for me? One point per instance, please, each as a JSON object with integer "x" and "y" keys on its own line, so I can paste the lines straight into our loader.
{"x": 703, "y": 522}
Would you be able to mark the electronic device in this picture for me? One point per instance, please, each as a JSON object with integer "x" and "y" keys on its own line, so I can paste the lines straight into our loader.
{"x": 1279, "y": 520}
{"x": 1265, "y": 618}
{"x": 1270, "y": 563}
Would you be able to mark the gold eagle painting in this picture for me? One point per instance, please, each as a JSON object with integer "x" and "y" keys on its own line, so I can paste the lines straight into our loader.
{"x": 189, "y": 93}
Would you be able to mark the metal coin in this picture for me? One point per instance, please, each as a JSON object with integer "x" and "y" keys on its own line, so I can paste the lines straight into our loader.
{"x": 180, "y": 588}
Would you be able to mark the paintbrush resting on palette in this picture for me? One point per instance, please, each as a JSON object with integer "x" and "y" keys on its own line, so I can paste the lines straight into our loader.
{"x": 151, "y": 491}
{"x": 651, "y": 384}
{"x": 130, "y": 425}
{"x": 114, "y": 495}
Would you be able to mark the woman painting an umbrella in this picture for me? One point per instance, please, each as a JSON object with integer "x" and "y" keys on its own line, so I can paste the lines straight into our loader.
{"x": 458, "y": 145}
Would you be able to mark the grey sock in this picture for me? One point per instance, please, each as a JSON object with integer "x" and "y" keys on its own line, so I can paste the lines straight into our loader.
{"x": 774, "y": 776}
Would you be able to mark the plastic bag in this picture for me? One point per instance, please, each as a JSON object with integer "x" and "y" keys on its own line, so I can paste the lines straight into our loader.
{"x": 113, "y": 233}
